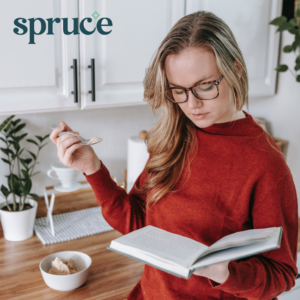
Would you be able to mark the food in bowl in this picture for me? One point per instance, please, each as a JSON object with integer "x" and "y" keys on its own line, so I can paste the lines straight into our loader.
{"x": 62, "y": 267}
{"x": 70, "y": 281}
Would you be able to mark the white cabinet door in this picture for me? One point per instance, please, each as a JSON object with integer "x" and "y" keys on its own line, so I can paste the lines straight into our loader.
{"x": 257, "y": 40}
{"x": 122, "y": 56}
{"x": 37, "y": 77}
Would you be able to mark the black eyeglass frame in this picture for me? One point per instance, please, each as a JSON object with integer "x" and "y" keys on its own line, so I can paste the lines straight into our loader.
{"x": 215, "y": 82}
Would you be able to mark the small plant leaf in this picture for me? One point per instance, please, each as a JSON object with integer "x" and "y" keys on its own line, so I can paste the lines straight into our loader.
{"x": 16, "y": 146}
{"x": 6, "y": 123}
{"x": 35, "y": 196}
{"x": 295, "y": 45}
{"x": 2, "y": 139}
{"x": 282, "y": 68}
{"x": 18, "y": 128}
{"x": 287, "y": 49}
{"x": 39, "y": 138}
{"x": 7, "y": 151}
{"x": 297, "y": 61}
{"x": 25, "y": 174}
{"x": 43, "y": 146}
{"x": 32, "y": 154}
{"x": 297, "y": 13}
{"x": 285, "y": 26}
{"x": 15, "y": 122}
{"x": 293, "y": 21}
{"x": 298, "y": 78}
{"x": 297, "y": 67}
{"x": 20, "y": 137}
{"x": 28, "y": 185}
{"x": 32, "y": 141}
{"x": 278, "y": 21}
{"x": 6, "y": 161}
{"x": 46, "y": 136}
{"x": 5, "y": 191}
{"x": 293, "y": 31}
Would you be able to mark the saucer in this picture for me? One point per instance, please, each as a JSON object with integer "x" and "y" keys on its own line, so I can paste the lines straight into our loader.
{"x": 59, "y": 187}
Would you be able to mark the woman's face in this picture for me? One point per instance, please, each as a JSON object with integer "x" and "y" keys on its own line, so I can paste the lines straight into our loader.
{"x": 187, "y": 68}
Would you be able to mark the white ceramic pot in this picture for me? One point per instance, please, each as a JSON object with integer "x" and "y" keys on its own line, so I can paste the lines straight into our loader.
{"x": 18, "y": 225}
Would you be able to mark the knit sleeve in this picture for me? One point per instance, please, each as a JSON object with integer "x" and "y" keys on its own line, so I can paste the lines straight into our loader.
{"x": 269, "y": 274}
{"x": 123, "y": 211}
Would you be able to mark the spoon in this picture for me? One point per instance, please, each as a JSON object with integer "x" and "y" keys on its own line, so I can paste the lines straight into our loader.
{"x": 92, "y": 141}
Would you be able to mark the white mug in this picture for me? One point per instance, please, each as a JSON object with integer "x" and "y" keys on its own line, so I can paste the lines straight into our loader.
{"x": 66, "y": 175}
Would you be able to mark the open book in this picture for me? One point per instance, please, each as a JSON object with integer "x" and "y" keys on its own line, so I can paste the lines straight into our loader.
{"x": 181, "y": 256}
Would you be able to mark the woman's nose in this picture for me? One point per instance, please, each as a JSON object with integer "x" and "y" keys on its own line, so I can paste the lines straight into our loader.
{"x": 193, "y": 102}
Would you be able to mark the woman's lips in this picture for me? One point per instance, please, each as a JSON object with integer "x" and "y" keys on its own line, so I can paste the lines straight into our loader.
{"x": 199, "y": 116}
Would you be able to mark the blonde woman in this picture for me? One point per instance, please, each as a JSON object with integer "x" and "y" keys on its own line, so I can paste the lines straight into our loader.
{"x": 212, "y": 170}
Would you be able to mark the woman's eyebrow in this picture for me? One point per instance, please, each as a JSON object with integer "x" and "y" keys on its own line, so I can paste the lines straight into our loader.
{"x": 194, "y": 83}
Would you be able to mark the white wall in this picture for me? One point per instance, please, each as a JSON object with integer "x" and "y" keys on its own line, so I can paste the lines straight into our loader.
{"x": 282, "y": 111}
{"x": 115, "y": 125}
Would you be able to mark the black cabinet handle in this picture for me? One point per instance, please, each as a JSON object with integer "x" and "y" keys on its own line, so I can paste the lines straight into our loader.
{"x": 75, "y": 92}
{"x": 93, "y": 91}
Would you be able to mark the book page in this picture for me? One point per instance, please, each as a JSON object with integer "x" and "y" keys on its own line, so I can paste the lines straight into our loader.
{"x": 240, "y": 238}
{"x": 239, "y": 252}
{"x": 163, "y": 244}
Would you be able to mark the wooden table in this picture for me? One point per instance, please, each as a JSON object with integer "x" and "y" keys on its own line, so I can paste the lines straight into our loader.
{"x": 112, "y": 276}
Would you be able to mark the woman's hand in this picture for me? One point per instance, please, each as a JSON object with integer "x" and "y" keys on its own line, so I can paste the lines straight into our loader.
{"x": 218, "y": 272}
{"x": 72, "y": 153}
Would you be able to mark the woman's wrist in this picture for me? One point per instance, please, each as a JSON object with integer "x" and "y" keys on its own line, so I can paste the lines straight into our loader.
{"x": 98, "y": 166}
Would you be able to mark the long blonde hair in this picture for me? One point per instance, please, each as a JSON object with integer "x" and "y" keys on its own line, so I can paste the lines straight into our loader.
{"x": 171, "y": 142}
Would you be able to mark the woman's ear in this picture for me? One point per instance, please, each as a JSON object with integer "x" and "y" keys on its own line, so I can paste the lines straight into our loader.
{"x": 239, "y": 68}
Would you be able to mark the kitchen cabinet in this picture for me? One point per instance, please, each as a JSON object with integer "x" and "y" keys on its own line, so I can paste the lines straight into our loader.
{"x": 121, "y": 57}
{"x": 37, "y": 77}
{"x": 111, "y": 67}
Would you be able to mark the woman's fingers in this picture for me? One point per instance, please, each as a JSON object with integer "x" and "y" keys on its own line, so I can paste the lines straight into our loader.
{"x": 64, "y": 142}
{"x": 55, "y": 132}
{"x": 68, "y": 154}
{"x": 66, "y": 127}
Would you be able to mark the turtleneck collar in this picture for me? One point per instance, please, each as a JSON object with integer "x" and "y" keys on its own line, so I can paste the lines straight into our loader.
{"x": 241, "y": 127}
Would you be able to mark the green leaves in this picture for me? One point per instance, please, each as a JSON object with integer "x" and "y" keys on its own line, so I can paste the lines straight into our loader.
{"x": 278, "y": 21}
{"x": 32, "y": 141}
{"x": 293, "y": 27}
{"x": 32, "y": 154}
{"x": 35, "y": 196}
{"x": 18, "y": 128}
{"x": 6, "y": 123}
{"x": 19, "y": 184}
{"x": 285, "y": 26}
{"x": 5, "y": 191}
{"x": 7, "y": 151}
{"x": 287, "y": 49}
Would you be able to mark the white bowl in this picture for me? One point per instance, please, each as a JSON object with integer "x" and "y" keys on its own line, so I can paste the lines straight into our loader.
{"x": 66, "y": 282}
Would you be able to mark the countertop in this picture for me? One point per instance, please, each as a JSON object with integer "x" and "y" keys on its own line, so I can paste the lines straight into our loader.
{"x": 112, "y": 276}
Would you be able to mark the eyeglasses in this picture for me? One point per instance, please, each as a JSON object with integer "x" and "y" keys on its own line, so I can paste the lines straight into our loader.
{"x": 203, "y": 91}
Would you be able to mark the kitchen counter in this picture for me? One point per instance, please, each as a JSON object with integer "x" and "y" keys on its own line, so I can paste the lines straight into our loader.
{"x": 112, "y": 276}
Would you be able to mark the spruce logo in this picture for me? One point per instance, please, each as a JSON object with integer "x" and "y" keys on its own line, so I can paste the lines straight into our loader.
{"x": 49, "y": 25}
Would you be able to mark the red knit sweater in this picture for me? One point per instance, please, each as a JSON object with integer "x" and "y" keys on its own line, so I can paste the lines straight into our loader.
{"x": 238, "y": 182}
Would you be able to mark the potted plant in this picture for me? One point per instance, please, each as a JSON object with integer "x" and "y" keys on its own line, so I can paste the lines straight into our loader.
{"x": 18, "y": 213}
{"x": 293, "y": 27}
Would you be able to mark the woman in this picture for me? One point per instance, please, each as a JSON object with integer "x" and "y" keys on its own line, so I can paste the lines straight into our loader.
{"x": 212, "y": 170}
